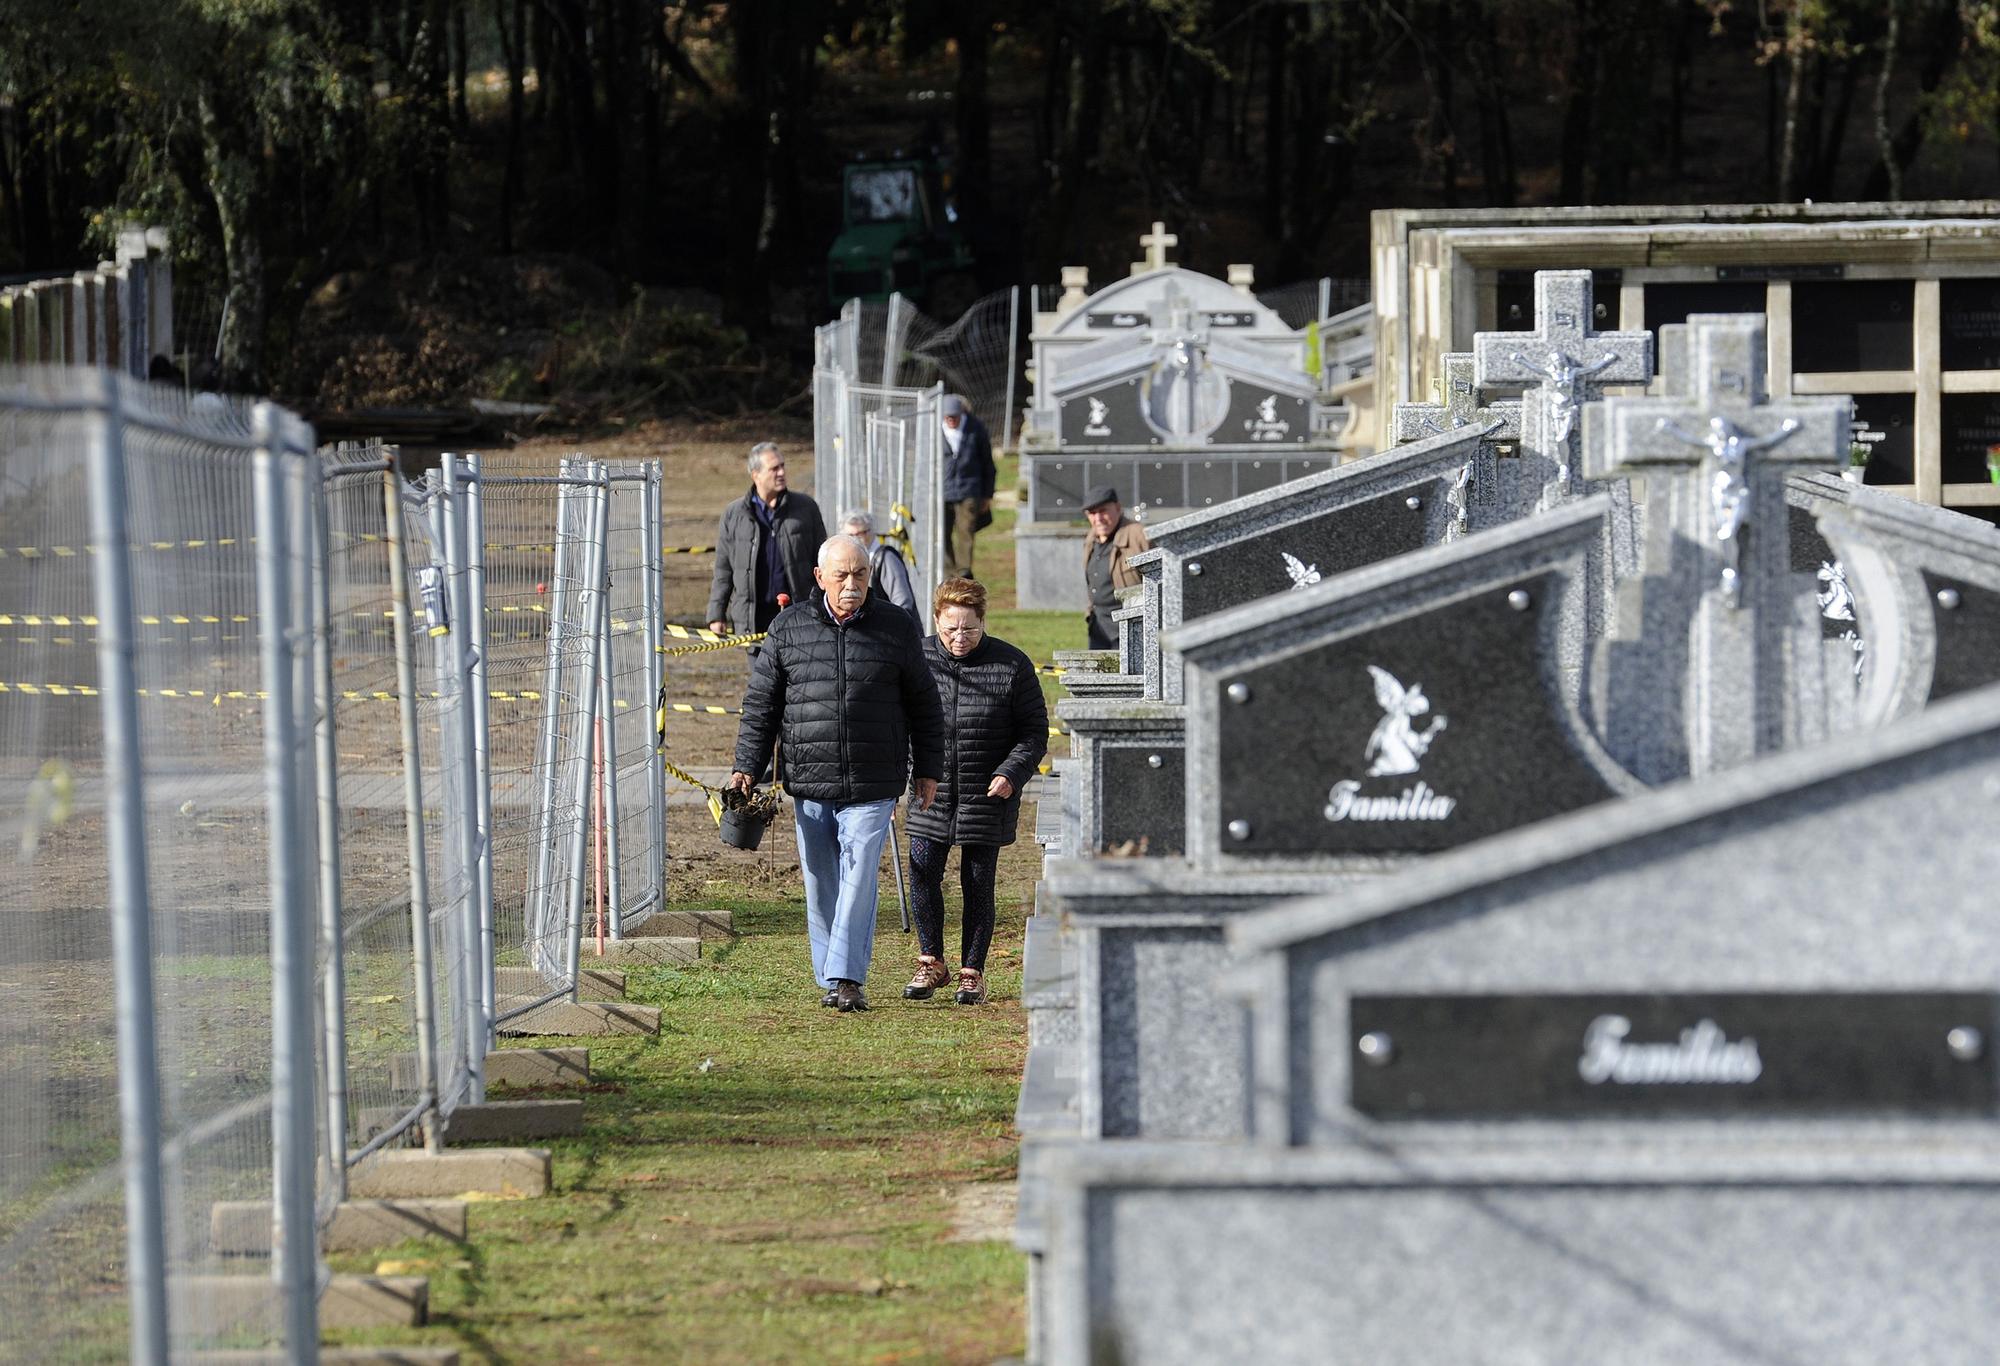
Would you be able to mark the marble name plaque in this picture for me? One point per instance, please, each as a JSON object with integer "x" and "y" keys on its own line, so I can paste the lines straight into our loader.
{"x": 1604, "y": 1054}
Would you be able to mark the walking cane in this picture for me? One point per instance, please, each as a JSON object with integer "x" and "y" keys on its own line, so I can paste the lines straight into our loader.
{"x": 896, "y": 857}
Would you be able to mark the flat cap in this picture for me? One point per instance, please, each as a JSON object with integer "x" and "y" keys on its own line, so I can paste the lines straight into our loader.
{"x": 953, "y": 406}
{"x": 1099, "y": 496}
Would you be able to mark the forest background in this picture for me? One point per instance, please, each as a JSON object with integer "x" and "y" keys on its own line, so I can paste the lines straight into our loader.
{"x": 412, "y": 201}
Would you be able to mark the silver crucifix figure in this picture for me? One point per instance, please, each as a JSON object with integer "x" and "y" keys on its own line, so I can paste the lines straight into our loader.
{"x": 1729, "y": 487}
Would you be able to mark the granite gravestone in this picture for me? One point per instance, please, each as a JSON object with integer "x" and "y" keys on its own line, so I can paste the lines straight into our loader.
{"x": 1691, "y": 1077}
{"x": 1717, "y": 566}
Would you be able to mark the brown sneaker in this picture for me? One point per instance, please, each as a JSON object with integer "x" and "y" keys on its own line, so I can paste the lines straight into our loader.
{"x": 930, "y": 976}
{"x": 971, "y": 987}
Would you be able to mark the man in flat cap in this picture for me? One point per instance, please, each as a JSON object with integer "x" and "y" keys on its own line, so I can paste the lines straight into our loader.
{"x": 1114, "y": 538}
{"x": 968, "y": 484}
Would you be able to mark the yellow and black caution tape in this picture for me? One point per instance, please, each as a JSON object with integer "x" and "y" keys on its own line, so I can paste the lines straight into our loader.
{"x": 732, "y": 643}
{"x": 714, "y": 794}
{"x": 64, "y": 552}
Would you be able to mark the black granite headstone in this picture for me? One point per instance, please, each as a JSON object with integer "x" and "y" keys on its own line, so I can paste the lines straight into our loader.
{"x": 1967, "y": 621}
{"x": 1886, "y": 424}
{"x": 1059, "y": 487}
{"x": 1969, "y": 324}
{"x": 1299, "y": 469}
{"x": 1333, "y": 543}
{"x": 1257, "y": 417}
{"x": 1853, "y": 325}
{"x": 1969, "y": 424}
{"x": 1146, "y": 787}
{"x": 1163, "y": 483}
{"x": 1414, "y": 737}
{"x": 1210, "y": 482}
{"x": 1106, "y": 416}
{"x": 1254, "y": 476}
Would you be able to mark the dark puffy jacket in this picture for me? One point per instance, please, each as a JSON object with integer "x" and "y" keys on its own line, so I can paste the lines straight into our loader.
{"x": 854, "y": 703}
{"x": 994, "y": 722}
{"x": 971, "y": 473}
{"x": 739, "y": 542}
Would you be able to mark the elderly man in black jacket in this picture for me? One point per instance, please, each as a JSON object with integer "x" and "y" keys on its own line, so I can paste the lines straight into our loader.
{"x": 843, "y": 681}
{"x": 764, "y": 547}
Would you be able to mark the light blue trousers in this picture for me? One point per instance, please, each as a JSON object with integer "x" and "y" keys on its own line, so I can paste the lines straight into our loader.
{"x": 840, "y": 853}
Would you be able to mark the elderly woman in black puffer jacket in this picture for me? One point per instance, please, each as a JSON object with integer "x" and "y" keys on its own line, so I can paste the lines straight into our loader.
{"x": 996, "y": 730}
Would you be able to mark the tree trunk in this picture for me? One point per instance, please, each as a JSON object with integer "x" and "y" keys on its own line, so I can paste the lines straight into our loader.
{"x": 1892, "y": 173}
{"x": 231, "y": 173}
{"x": 1678, "y": 81}
{"x": 1279, "y": 36}
{"x": 513, "y": 48}
{"x": 973, "y": 110}
{"x": 461, "y": 115}
{"x": 1795, "y": 83}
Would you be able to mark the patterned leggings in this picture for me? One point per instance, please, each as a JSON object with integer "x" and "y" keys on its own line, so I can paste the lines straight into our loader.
{"x": 978, "y": 867}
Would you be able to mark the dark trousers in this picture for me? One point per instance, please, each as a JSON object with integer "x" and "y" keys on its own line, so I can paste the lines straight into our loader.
{"x": 1103, "y": 634}
{"x": 960, "y": 522}
{"x": 978, "y": 870}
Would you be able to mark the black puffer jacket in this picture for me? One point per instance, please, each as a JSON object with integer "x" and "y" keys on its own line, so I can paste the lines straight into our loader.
{"x": 854, "y": 703}
{"x": 995, "y": 722}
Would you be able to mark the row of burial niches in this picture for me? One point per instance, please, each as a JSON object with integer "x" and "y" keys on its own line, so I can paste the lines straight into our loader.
{"x": 1851, "y": 336}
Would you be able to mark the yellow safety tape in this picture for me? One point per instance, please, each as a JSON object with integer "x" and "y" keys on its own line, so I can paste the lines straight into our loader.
{"x": 37, "y": 552}
{"x": 733, "y": 643}
{"x": 216, "y": 696}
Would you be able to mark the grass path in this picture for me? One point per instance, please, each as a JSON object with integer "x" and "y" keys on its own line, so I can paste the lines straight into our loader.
{"x": 767, "y": 1181}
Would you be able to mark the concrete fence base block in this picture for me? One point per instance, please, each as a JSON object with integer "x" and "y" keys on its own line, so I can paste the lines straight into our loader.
{"x": 328, "y": 1356}
{"x": 538, "y": 1067}
{"x": 594, "y": 983}
{"x": 242, "y": 1228}
{"x": 649, "y": 950}
{"x": 512, "y": 1172}
{"x": 701, "y": 924}
{"x": 578, "y": 1019}
{"x": 375, "y": 1302}
{"x": 511, "y": 1067}
{"x": 510, "y": 1121}
{"x": 249, "y": 1303}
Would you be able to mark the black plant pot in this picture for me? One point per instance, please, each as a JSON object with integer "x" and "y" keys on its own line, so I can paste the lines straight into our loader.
{"x": 743, "y": 829}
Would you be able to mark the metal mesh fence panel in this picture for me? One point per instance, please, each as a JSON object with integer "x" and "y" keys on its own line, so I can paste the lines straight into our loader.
{"x": 378, "y": 986}
{"x": 62, "y": 1212}
{"x": 220, "y": 865}
{"x": 632, "y": 806}
{"x": 543, "y": 591}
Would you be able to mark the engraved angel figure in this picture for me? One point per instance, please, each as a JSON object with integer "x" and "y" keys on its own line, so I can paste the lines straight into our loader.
{"x": 1267, "y": 411}
{"x": 1396, "y": 745}
{"x": 1303, "y": 575}
{"x": 1836, "y": 600}
{"x": 1097, "y": 411}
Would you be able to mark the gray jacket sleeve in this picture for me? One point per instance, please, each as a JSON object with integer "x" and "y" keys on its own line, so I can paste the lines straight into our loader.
{"x": 896, "y": 582}
{"x": 718, "y": 588}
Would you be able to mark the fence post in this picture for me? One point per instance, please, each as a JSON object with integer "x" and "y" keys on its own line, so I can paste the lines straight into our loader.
{"x": 333, "y": 1002}
{"x": 540, "y": 895}
{"x": 605, "y": 734}
{"x": 422, "y": 969}
{"x": 482, "y": 759}
{"x": 295, "y": 1263}
{"x": 131, "y": 909}
{"x": 890, "y": 358}
{"x": 477, "y": 938}
{"x": 596, "y": 613}
{"x": 656, "y": 666}
{"x": 1013, "y": 364}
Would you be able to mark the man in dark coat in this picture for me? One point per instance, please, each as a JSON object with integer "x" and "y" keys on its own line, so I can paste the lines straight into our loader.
{"x": 764, "y": 546}
{"x": 1114, "y": 538}
{"x": 843, "y": 681}
{"x": 969, "y": 475}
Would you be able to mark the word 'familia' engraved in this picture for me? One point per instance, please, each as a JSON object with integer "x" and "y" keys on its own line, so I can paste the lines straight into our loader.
{"x": 1703, "y": 1056}
{"x": 1419, "y": 803}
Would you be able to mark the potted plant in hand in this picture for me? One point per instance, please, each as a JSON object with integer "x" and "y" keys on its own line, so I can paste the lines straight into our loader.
{"x": 1857, "y": 463}
{"x": 1993, "y": 463}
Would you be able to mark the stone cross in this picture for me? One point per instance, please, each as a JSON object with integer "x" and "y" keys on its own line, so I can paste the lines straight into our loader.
{"x": 1461, "y": 408}
{"x": 1715, "y": 459}
{"x": 1156, "y": 243}
{"x": 1569, "y": 363}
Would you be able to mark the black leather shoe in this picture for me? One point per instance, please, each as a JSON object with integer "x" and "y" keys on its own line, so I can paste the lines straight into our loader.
{"x": 831, "y": 999}
{"x": 849, "y": 997}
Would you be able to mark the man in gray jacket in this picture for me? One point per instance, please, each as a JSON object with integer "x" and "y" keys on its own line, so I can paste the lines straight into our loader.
{"x": 766, "y": 544}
